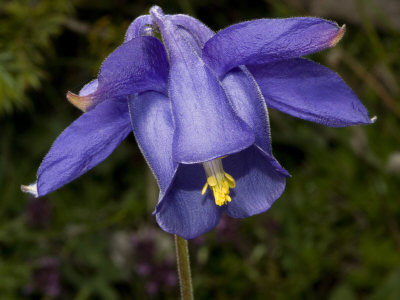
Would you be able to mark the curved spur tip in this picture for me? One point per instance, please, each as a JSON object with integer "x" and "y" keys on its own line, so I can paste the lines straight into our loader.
{"x": 373, "y": 119}
{"x": 81, "y": 102}
{"x": 338, "y": 36}
{"x": 30, "y": 189}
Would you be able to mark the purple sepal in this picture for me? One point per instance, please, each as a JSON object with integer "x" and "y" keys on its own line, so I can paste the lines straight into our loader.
{"x": 307, "y": 90}
{"x": 153, "y": 128}
{"x": 267, "y": 40}
{"x": 84, "y": 144}
{"x": 136, "y": 66}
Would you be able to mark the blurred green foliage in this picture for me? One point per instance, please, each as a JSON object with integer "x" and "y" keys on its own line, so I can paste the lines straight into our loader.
{"x": 334, "y": 234}
{"x": 26, "y": 29}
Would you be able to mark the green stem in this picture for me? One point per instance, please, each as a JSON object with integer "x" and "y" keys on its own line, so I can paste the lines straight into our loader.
{"x": 183, "y": 262}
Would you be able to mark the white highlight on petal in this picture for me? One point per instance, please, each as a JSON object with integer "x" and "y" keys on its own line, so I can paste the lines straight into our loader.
{"x": 89, "y": 88}
{"x": 31, "y": 189}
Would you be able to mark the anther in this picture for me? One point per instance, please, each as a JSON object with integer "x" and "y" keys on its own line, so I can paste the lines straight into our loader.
{"x": 219, "y": 181}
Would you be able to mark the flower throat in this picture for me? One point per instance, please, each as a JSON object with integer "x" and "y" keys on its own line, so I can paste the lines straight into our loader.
{"x": 219, "y": 181}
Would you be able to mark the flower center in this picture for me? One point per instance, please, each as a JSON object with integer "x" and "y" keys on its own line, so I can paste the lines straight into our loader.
{"x": 219, "y": 181}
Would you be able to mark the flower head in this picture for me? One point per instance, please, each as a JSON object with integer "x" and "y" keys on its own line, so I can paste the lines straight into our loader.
{"x": 197, "y": 103}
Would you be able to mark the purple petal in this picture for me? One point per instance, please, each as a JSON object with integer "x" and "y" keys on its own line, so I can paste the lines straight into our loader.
{"x": 85, "y": 100}
{"x": 240, "y": 86}
{"x": 136, "y": 66}
{"x": 83, "y": 145}
{"x": 249, "y": 104}
{"x": 268, "y": 40}
{"x": 309, "y": 91}
{"x": 192, "y": 31}
{"x": 191, "y": 41}
{"x": 205, "y": 125}
{"x": 258, "y": 185}
{"x": 138, "y": 27}
{"x": 197, "y": 28}
{"x": 89, "y": 88}
{"x": 153, "y": 128}
{"x": 139, "y": 65}
{"x": 183, "y": 210}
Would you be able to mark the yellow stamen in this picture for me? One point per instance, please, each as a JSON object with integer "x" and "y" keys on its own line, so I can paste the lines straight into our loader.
{"x": 212, "y": 181}
{"x": 231, "y": 181}
{"x": 219, "y": 181}
{"x": 203, "y": 191}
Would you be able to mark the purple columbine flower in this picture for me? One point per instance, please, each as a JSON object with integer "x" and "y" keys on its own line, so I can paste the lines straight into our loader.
{"x": 197, "y": 104}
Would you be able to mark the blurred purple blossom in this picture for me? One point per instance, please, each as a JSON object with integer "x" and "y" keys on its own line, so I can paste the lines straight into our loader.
{"x": 158, "y": 269}
{"x": 45, "y": 278}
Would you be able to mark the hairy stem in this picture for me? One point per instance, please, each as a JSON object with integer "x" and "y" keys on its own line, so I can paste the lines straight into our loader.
{"x": 183, "y": 262}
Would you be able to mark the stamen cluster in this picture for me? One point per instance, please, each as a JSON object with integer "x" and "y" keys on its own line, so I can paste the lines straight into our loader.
{"x": 219, "y": 181}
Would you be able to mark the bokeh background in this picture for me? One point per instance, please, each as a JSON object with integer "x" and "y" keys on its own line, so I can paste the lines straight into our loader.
{"x": 334, "y": 234}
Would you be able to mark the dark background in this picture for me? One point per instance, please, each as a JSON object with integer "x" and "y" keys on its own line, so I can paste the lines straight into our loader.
{"x": 334, "y": 234}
